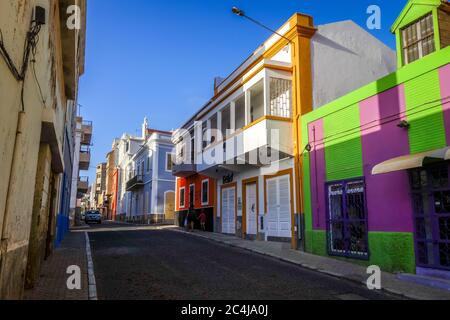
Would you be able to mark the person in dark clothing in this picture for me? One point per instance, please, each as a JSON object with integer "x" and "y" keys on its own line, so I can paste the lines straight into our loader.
{"x": 202, "y": 218}
{"x": 190, "y": 219}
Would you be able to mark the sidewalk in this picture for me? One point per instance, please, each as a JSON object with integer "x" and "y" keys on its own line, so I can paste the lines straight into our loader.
{"x": 336, "y": 268}
{"x": 52, "y": 282}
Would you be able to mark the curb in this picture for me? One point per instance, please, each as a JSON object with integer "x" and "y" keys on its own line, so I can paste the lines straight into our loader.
{"x": 90, "y": 266}
{"x": 306, "y": 266}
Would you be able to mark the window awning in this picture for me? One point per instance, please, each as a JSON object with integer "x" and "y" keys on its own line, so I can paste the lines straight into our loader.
{"x": 412, "y": 161}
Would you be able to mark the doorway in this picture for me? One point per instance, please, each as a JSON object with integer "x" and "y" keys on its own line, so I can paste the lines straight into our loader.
{"x": 250, "y": 207}
{"x": 431, "y": 205}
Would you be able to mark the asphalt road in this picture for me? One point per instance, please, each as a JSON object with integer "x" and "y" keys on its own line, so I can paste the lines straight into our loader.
{"x": 166, "y": 265}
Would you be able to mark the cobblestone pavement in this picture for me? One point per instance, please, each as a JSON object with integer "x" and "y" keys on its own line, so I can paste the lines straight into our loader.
{"x": 52, "y": 282}
{"x": 165, "y": 265}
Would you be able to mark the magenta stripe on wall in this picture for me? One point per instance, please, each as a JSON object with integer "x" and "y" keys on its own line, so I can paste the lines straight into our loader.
{"x": 317, "y": 165}
{"x": 444, "y": 74}
{"x": 388, "y": 200}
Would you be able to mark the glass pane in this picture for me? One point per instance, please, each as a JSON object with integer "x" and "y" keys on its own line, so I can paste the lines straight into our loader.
{"x": 337, "y": 234}
{"x": 444, "y": 228}
{"x": 439, "y": 177}
{"x": 226, "y": 120}
{"x": 257, "y": 102}
{"x": 240, "y": 113}
{"x": 358, "y": 232}
{"x": 355, "y": 201}
{"x": 444, "y": 254}
{"x": 335, "y": 194}
{"x": 422, "y": 253}
{"x": 428, "y": 46}
{"x": 442, "y": 202}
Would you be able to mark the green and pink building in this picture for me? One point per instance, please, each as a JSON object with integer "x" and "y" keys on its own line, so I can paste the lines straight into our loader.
{"x": 376, "y": 171}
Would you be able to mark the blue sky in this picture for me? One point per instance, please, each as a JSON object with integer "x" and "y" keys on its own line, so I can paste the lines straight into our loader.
{"x": 159, "y": 58}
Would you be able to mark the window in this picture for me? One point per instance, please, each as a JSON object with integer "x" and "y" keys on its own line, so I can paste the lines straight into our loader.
{"x": 280, "y": 97}
{"x": 192, "y": 196}
{"x": 169, "y": 162}
{"x": 204, "y": 135}
{"x": 182, "y": 197}
{"x": 205, "y": 192}
{"x": 192, "y": 133}
{"x": 418, "y": 39}
{"x": 148, "y": 164}
{"x": 257, "y": 102}
{"x": 347, "y": 220}
{"x": 226, "y": 121}
{"x": 213, "y": 128}
{"x": 240, "y": 112}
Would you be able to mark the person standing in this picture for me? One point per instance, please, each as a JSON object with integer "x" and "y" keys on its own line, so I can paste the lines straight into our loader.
{"x": 202, "y": 217}
{"x": 190, "y": 219}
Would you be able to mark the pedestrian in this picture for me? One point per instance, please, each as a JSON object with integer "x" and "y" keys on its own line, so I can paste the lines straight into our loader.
{"x": 190, "y": 219}
{"x": 202, "y": 217}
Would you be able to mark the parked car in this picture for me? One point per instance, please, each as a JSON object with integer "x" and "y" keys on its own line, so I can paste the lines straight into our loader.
{"x": 93, "y": 217}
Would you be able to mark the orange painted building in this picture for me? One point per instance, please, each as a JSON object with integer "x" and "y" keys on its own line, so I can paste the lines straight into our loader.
{"x": 113, "y": 204}
{"x": 196, "y": 192}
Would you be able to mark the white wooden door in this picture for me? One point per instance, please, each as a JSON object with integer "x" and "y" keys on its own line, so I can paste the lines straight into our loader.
{"x": 228, "y": 211}
{"x": 279, "y": 207}
{"x": 250, "y": 209}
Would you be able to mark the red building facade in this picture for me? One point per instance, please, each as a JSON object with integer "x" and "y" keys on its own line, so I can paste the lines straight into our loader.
{"x": 196, "y": 193}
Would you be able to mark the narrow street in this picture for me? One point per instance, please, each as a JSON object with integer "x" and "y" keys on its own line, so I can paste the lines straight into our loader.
{"x": 168, "y": 265}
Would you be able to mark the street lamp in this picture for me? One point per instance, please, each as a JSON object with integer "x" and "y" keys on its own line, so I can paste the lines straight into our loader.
{"x": 241, "y": 13}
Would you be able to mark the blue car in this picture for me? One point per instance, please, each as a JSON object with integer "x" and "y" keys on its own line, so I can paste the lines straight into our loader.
{"x": 93, "y": 217}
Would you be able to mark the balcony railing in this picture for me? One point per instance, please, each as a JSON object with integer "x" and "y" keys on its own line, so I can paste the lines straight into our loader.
{"x": 258, "y": 144}
{"x": 135, "y": 182}
{"x": 83, "y": 185}
{"x": 86, "y": 133}
{"x": 85, "y": 158}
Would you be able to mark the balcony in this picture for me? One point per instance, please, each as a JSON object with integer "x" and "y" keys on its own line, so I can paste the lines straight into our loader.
{"x": 135, "y": 182}
{"x": 254, "y": 127}
{"x": 259, "y": 144}
{"x": 83, "y": 186}
{"x": 86, "y": 133}
{"x": 85, "y": 158}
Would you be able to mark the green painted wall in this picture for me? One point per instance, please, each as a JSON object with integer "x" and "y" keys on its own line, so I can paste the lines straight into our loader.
{"x": 343, "y": 160}
{"x": 392, "y": 252}
{"x": 427, "y": 131}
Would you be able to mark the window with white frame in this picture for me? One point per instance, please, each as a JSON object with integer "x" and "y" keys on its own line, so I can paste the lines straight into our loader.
{"x": 280, "y": 97}
{"x": 205, "y": 192}
{"x": 182, "y": 197}
{"x": 169, "y": 162}
{"x": 418, "y": 39}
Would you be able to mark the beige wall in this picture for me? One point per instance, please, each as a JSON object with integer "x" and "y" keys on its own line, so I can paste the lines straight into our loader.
{"x": 22, "y": 132}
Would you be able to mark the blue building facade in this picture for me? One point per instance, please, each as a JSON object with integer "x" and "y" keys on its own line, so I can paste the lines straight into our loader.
{"x": 150, "y": 184}
{"x": 63, "y": 220}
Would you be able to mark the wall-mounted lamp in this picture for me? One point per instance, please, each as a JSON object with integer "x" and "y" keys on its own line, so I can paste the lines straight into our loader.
{"x": 241, "y": 13}
{"x": 404, "y": 125}
{"x": 39, "y": 15}
{"x": 238, "y": 11}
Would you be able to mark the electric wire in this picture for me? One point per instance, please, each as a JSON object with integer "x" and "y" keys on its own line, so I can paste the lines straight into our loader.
{"x": 381, "y": 121}
{"x": 30, "y": 47}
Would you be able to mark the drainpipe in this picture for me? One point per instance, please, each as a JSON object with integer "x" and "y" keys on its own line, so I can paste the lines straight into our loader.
{"x": 14, "y": 160}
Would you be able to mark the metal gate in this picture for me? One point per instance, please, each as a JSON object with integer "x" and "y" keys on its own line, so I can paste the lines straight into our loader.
{"x": 431, "y": 204}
